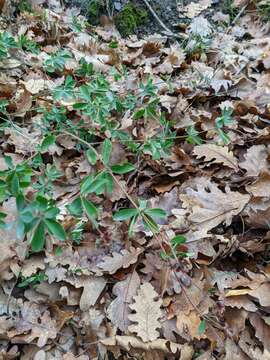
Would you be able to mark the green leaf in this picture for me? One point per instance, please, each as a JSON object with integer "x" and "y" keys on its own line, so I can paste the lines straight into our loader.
{"x": 124, "y": 214}
{"x": 106, "y": 150}
{"x": 38, "y": 239}
{"x": 90, "y": 208}
{"x": 47, "y": 142}
{"x": 178, "y": 240}
{"x": 131, "y": 225}
{"x": 55, "y": 229}
{"x": 150, "y": 223}
{"x": 91, "y": 155}
{"x": 122, "y": 168}
{"x": 93, "y": 185}
{"x": 58, "y": 251}
{"x": 20, "y": 230}
{"x": 156, "y": 213}
{"x": 15, "y": 185}
{"x": 75, "y": 208}
{"x": 201, "y": 327}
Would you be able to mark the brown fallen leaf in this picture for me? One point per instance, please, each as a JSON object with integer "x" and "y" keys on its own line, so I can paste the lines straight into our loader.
{"x": 250, "y": 347}
{"x": 232, "y": 348}
{"x": 262, "y": 330}
{"x": 261, "y": 187}
{"x": 241, "y": 301}
{"x": 255, "y": 160}
{"x": 123, "y": 259}
{"x": 129, "y": 342}
{"x": 147, "y": 313}
{"x": 118, "y": 310}
{"x": 216, "y": 154}
{"x": 205, "y": 214}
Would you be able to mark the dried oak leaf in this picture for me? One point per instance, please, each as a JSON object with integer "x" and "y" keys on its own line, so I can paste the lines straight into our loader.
{"x": 120, "y": 260}
{"x": 216, "y": 154}
{"x": 262, "y": 330}
{"x": 118, "y": 310}
{"x": 255, "y": 160}
{"x": 130, "y": 342}
{"x": 241, "y": 301}
{"x": 261, "y": 187}
{"x": 147, "y": 313}
{"x": 250, "y": 347}
{"x": 209, "y": 206}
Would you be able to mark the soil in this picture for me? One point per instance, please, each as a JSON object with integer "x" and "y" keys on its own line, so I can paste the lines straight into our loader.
{"x": 165, "y": 9}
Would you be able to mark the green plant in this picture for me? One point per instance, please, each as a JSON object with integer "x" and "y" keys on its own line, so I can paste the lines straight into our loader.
{"x": 7, "y": 42}
{"x": 27, "y": 44}
{"x": 146, "y": 214}
{"x": 176, "y": 242}
{"x": 56, "y": 62}
{"x": 25, "y": 5}
{"x": 32, "y": 280}
{"x": 129, "y": 18}
{"x": 94, "y": 10}
{"x": 224, "y": 120}
{"x": 264, "y": 9}
{"x": 230, "y": 9}
{"x": 193, "y": 136}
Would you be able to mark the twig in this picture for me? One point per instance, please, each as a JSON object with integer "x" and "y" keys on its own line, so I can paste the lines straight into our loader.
{"x": 161, "y": 23}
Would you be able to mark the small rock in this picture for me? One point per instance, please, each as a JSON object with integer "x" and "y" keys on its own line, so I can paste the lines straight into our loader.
{"x": 117, "y": 5}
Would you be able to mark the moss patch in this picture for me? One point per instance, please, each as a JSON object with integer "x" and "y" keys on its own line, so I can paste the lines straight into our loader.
{"x": 129, "y": 18}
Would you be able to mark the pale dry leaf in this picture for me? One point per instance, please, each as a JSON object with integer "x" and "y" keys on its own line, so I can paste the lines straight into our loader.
{"x": 232, "y": 348}
{"x": 216, "y": 154}
{"x": 34, "y": 86}
{"x": 200, "y": 26}
{"x": 130, "y": 342}
{"x": 32, "y": 265}
{"x": 255, "y": 160}
{"x": 123, "y": 259}
{"x": 262, "y": 330}
{"x": 262, "y": 294}
{"x": 261, "y": 187}
{"x": 241, "y": 301}
{"x": 195, "y": 8}
{"x": 118, "y": 310}
{"x": 147, "y": 313}
{"x": 209, "y": 206}
{"x": 92, "y": 289}
{"x": 250, "y": 347}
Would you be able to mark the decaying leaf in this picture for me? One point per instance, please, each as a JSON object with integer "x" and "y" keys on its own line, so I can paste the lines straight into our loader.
{"x": 119, "y": 310}
{"x": 205, "y": 214}
{"x": 147, "y": 313}
{"x": 216, "y": 154}
{"x": 119, "y": 260}
{"x": 255, "y": 160}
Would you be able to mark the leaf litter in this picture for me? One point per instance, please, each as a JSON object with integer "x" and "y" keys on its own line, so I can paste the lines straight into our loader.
{"x": 134, "y": 187}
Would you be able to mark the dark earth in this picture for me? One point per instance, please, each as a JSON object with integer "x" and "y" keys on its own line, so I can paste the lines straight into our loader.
{"x": 167, "y": 11}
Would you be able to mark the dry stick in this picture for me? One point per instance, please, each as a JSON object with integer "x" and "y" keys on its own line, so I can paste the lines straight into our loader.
{"x": 161, "y": 23}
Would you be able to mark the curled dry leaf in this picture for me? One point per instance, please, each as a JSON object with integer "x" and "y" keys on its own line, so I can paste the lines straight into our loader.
{"x": 216, "y": 154}
{"x": 262, "y": 330}
{"x": 129, "y": 342}
{"x": 120, "y": 260}
{"x": 147, "y": 313}
{"x": 205, "y": 214}
{"x": 255, "y": 160}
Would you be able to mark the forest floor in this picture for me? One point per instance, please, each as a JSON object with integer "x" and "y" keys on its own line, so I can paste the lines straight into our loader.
{"x": 135, "y": 182}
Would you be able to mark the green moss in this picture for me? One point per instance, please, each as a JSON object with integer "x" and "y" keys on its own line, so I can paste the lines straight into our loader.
{"x": 94, "y": 10}
{"x": 129, "y": 18}
{"x": 264, "y": 10}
